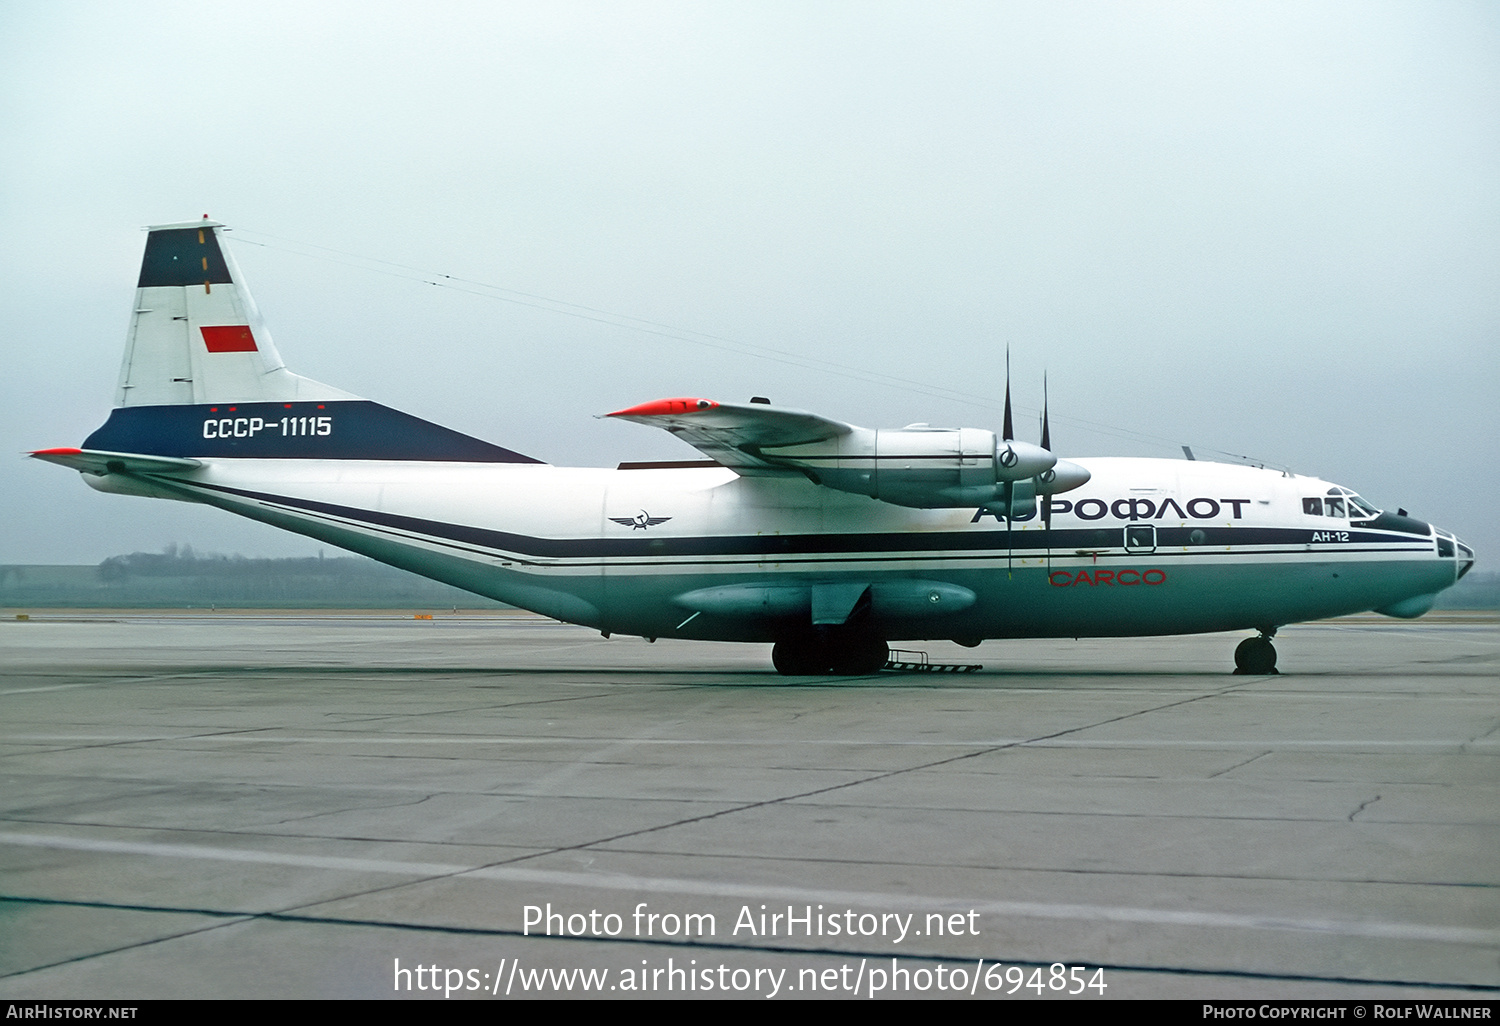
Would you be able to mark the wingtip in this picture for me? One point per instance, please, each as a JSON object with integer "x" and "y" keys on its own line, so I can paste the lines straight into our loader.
{"x": 41, "y": 454}
{"x": 665, "y": 407}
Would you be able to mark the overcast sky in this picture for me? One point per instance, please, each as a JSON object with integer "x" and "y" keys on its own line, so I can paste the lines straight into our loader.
{"x": 1267, "y": 229}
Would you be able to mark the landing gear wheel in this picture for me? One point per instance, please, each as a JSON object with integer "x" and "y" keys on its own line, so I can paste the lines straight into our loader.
{"x": 859, "y": 657}
{"x": 797, "y": 657}
{"x": 1255, "y": 657}
{"x": 846, "y": 656}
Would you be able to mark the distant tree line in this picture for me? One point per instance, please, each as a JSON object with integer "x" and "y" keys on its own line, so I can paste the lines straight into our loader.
{"x": 182, "y": 561}
{"x": 179, "y": 577}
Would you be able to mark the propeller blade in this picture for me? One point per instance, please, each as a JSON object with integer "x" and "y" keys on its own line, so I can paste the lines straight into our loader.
{"x": 1046, "y": 427}
{"x": 1046, "y": 500}
{"x": 1009, "y": 431}
{"x": 1008, "y": 492}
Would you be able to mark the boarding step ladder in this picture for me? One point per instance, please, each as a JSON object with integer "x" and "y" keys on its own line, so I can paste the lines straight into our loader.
{"x": 905, "y": 661}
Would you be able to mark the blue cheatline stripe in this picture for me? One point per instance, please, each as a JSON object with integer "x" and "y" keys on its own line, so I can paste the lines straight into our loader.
{"x": 335, "y": 430}
{"x": 991, "y": 543}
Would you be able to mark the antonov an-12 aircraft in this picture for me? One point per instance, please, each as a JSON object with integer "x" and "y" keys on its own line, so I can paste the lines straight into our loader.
{"x": 826, "y": 539}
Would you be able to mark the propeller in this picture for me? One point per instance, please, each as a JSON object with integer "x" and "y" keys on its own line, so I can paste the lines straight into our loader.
{"x": 1009, "y": 432}
{"x": 1046, "y": 475}
{"x": 1037, "y": 464}
{"x": 1046, "y": 430}
{"x": 1008, "y": 488}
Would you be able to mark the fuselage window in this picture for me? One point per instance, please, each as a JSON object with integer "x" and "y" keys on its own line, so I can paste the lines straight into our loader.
{"x": 1313, "y": 507}
{"x": 1335, "y": 506}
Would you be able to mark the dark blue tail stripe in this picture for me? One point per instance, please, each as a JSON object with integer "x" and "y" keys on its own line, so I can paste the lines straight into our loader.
{"x": 347, "y": 430}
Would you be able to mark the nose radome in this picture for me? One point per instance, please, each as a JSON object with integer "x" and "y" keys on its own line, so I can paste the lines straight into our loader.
{"x": 1465, "y": 558}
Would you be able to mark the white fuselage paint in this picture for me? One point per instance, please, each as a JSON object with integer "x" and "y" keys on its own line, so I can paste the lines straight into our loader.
{"x": 547, "y": 538}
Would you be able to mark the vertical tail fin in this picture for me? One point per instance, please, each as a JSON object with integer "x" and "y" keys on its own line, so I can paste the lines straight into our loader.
{"x": 196, "y": 336}
{"x": 201, "y": 378}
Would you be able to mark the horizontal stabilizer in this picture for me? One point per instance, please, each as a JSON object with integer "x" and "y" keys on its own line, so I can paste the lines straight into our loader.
{"x": 99, "y": 463}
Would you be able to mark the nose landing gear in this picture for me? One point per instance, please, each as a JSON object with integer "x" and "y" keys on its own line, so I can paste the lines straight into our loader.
{"x": 1256, "y": 656}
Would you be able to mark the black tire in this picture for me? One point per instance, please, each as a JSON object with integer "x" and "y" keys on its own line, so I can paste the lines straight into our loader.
{"x": 846, "y": 656}
{"x": 859, "y": 657}
{"x": 798, "y": 657}
{"x": 1255, "y": 656}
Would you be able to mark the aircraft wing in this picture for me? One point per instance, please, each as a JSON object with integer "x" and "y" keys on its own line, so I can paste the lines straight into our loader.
{"x": 735, "y": 434}
{"x": 99, "y": 463}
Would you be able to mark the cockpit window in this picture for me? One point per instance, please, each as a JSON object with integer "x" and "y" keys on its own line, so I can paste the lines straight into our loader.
{"x": 1334, "y": 505}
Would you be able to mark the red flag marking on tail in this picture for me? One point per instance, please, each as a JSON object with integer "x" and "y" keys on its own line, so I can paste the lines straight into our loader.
{"x": 228, "y": 338}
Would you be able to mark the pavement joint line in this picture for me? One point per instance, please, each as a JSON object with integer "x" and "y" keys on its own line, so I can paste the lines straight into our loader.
{"x": 510, "y": 873}
{"x": 803, "y": 802}
{"x": 1238, "y": 765}
{"x": 887, "y": 774}
{"x": 247, "y": 736}
{"x": 324, "y": 838}
{"x": 97, "y": 683}
{"x": 744, "y": 807}
{"x": 1061, "y": 870}
{"x": 134, "y": 945}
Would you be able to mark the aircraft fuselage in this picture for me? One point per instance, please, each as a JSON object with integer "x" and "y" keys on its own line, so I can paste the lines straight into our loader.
{"x": 1148, "y": 546}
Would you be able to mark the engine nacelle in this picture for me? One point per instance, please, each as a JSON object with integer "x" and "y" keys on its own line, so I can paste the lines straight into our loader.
{"x": 927, "y": 468}
{"x": 1062, "y": 477}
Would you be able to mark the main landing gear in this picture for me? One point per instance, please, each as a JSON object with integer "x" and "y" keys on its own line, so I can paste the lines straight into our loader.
{"x": 1256, "y": 656}
{"x": 829, "y": 654}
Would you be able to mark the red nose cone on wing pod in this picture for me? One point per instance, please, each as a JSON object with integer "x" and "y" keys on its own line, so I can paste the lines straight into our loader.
{"x": 665, "y": 407}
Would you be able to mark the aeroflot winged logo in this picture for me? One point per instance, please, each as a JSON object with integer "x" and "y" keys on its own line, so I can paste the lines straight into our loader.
{"x": 640, "y": 521}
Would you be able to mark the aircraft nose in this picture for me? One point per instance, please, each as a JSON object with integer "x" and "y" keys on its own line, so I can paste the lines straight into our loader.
{"x": 1449, "y": 547}
{"x": 1465, "y": 558}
